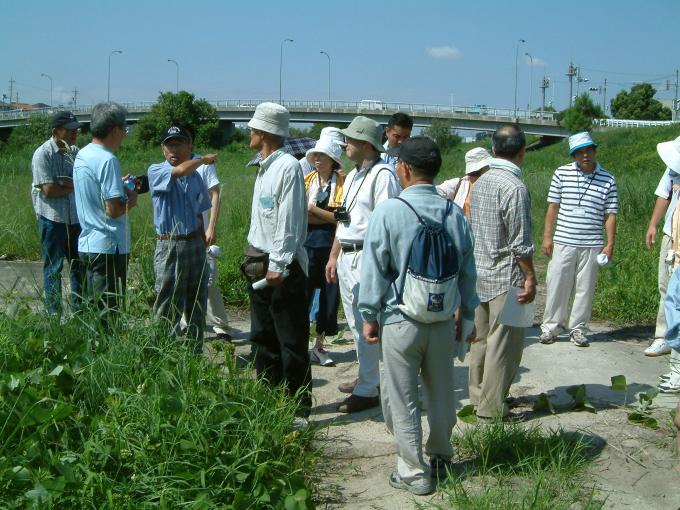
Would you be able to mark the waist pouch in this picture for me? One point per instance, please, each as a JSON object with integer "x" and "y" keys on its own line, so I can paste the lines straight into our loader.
{"x": 255, "y": 264}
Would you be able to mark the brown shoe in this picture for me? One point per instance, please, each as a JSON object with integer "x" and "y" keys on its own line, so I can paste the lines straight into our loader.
{"x": 355, "y": 403}
{"x": 348, "y": 387}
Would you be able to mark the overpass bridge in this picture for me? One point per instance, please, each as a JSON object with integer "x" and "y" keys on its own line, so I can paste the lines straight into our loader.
{"x": 477, "y": 118}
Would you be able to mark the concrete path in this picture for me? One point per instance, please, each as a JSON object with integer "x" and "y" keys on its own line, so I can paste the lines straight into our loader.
{"x": 634, "y": 469}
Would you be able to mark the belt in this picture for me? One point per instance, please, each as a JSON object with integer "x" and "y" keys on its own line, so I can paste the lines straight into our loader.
{"x": 178, "y": 237}
{"x": 351, "y": 247}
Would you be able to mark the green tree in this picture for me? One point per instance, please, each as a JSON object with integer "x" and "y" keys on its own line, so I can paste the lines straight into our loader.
{"x": 440, "y": 132}
{"x": 171, "y": 107}
{"x": 580, "y": 116}
{"x": 31, "y": 134}
{"x": 639, "y": 104}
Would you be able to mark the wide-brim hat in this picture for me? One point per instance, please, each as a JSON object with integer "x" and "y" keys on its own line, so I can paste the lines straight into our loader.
{"x": 328, "y": 147}
{"x": 476, "y": 159}
{"x": 579, "y": 141}
{"x": 334, "y": 134}
{"x": 670, "y": 153}
{"x": 271, "y": 118}
{"x": 365, "y": 129}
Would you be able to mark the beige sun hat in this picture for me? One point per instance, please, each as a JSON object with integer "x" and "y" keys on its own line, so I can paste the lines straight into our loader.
{"x": 476, "y": 159}
{"x": 328, "y": 147}
{"x": 333, "y": 134}
{"x": 670, "y": 153}
{"x": 271, "y": 118}
{"x": 365, "y": 129}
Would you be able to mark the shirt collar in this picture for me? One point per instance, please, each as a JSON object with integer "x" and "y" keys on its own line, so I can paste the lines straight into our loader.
{"x": 266, "y": 162}
{"x": 597, "y": 169}
{"x": 420, "y": 189}
{"x": 370, "y": 165}
{"x": 504, "y": 164}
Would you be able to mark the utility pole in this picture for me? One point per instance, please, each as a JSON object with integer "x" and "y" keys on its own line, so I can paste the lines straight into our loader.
{"x": 75, "y": 97}
{"x": 571, "y": 72}
{"x": 604, "y": 99}
{"x": 676, "y": 106}
{"x": 11, "y": 89}
{"x": 544, "y": 85}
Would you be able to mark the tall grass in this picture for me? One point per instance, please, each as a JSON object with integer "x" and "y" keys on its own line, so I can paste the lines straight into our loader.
{"x": 626, "y": 293}
{"x": 133, "y": 419}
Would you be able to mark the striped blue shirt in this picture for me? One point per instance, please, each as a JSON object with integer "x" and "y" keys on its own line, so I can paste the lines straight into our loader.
{"x": 584, "y": 201}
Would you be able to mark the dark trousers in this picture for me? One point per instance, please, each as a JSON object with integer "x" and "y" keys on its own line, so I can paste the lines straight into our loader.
{"x": 59, "y": 242}
{"x": 280, "y": 332}
{"x": 329, "y": 293}
{"x": 105, "y": 282}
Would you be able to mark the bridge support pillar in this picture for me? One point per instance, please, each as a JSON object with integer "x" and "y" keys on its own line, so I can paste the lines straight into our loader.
{"x": 227, "y": 129}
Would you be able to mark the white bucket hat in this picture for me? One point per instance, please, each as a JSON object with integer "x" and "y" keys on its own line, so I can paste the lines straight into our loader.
{"x": 670, "y": 153}
{"x": 328, "y": 147}
{"x": 334, "y": 134}
{"x": 579, "y": 141}
{"x": 271, "y": 118}
{"x": 476, "y": 159}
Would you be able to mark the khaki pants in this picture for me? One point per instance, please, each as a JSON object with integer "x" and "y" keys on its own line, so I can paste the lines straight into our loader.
{"x": 410, "y": 348}
{"x": 664, "y": 276}
{"x": 494, "y": 359}
{"x": 570, "y": 268}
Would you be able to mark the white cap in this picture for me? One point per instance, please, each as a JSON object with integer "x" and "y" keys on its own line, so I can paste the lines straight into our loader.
{"x": 334, "y": 134}
{"x": 476, "y": 159}
{"x": 271, "y": 118}
{"x": 670, "y": 153}
{"x": 579, "y": 141}
{"x": 328, "y": 147}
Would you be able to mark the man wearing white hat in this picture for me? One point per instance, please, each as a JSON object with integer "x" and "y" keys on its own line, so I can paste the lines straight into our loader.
{"x": 581, "y": 201}
{"x": 278, "y": 226}
{"x": 666, "y": 199}
{"x": 458, "y": 189}
{"x": 371, "y": 182}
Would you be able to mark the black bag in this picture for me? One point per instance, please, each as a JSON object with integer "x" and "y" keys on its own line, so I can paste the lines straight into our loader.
{"x": 255, "y": 265}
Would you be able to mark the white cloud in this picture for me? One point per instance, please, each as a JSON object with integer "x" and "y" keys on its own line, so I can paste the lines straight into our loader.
{"x": 444, "y": 52}
{"x": 536, "y": 63}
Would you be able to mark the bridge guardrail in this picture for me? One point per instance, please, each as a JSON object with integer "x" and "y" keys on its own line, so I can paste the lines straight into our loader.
{"x": 623, "y": 123}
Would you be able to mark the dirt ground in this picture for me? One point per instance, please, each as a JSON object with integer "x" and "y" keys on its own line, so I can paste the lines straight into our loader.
{"x": 635, "y": 466}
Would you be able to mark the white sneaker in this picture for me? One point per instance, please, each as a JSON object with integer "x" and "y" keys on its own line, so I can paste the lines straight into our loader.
{"x": 300, "y": 423}
{"x": 578, "y": 338}
{"x": 667, "y": 387}
{"x": 547, "y": 337}
{"x": 665, "y": 377}
{"x": 320, "y": 356}
{"x": 659, "y": 347}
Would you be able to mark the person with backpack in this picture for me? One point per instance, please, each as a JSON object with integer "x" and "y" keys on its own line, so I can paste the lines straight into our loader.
{"x": 418, "y": 268}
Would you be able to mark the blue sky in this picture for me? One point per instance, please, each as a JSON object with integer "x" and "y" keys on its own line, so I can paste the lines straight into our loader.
{"x": 429, "y": 51}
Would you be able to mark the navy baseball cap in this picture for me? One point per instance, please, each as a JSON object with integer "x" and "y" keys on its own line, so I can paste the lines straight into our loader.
{"x": 66, "y": 120}
{"x": 421, "y": 152}
{"x": 176, "y": 131}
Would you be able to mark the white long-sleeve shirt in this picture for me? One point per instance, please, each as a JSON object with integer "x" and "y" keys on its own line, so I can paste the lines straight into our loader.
{"x": 278, "y": 221}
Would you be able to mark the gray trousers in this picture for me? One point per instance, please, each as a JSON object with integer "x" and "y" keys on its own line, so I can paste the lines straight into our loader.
{"x": 410, "y": 348}
{"x": 494, "y": 359}
{"x": 182, "y": 285}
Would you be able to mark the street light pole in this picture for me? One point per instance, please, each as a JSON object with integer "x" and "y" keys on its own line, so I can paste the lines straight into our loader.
{"x": 281, "y": 70}
{"x": 531, "y": 78}
{"x": 108, "y": 81}
{"x": 50, "y": 78}
{"x": 177, "y": 65}
{"x": 519, "y": 41}
{"x": 329, "y": 73}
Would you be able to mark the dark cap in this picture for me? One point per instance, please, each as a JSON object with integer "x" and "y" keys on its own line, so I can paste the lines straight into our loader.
{"x": 66, "y": 120}
{"x": 421, "y": 152}
{"x": 176, "y": 131}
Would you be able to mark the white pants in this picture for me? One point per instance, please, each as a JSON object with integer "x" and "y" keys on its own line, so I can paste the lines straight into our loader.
{"x": 675, "y": 367}
{"x": 410, "y": 348}
{"x": 571, "y": 268}
{"x": 368, "y": 355}
{"x": 663, "y": 277}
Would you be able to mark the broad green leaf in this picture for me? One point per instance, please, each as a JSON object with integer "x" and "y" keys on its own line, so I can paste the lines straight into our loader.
{"x": 467, "y": 414}
{"x": 619, "y": 383}
{"x": 13, "y": 382}
{"x": 37, "y": 494}
{"x": 643, "y": 419}
{"x": 57, "y": 370}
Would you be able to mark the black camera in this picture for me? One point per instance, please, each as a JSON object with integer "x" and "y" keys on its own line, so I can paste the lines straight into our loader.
{"x": 139, "y": 183}
{"x": 341, "y": 214}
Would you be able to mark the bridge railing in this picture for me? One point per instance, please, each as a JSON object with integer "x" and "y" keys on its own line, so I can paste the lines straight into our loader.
{"x": 627, "y": 123}
{"x": 364, "y": 106}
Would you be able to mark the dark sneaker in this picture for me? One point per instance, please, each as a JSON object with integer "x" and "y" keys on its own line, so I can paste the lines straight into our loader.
{"x": 440, "y": 467}
{"x": 355, "y": 403}
{"x": 420, "y": 486}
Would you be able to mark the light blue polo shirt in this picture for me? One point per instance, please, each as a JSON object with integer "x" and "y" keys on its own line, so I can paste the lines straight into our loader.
{"x": 97, "y": 178}
{"x": 178, "y": 203}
